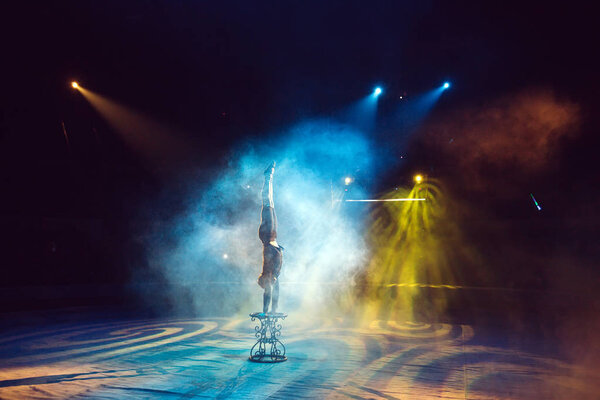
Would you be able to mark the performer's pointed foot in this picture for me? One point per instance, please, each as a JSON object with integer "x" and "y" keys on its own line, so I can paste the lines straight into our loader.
{"x": 270, "y": 169}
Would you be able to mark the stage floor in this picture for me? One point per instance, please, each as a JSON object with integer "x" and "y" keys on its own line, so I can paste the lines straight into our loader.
{"x": 95, "y": 356}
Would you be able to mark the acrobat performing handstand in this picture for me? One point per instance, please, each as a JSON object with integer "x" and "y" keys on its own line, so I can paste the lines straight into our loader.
{"x": 268, "y": 347}
{"x": 272, "y": 251}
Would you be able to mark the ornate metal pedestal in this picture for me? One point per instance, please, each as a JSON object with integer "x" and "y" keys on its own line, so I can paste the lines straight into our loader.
{"x": 268, "y": 348}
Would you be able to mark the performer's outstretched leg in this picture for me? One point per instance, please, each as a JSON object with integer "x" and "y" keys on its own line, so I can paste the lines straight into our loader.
{"x": 267, "y": 232}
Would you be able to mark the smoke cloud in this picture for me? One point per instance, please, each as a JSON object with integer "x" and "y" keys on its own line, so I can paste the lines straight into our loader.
{"x": 516, "y": 134}
{"x": 210, "y": 255}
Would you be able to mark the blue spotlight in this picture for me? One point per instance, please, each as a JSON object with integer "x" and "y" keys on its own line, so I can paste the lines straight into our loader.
{"x": 377, "y": 91}
{"x": 446, "y": 85}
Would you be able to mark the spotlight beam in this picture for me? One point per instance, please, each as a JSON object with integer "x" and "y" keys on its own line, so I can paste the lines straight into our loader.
{"x": 157, "y": 143}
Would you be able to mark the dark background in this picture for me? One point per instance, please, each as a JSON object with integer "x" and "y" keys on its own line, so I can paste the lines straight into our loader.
{"x": 228, "y": 71}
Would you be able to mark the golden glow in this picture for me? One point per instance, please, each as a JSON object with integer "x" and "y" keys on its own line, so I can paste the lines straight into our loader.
{"x": 415, "y": 245}
{"x": 348, "y": 180}
{"x": 419, "y": 178}
{"x": 75, "y": 85}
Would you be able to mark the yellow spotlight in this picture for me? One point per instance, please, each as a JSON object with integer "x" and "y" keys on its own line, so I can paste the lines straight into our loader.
{"x": 348, "y": 180}
{"x": 418, "y": 178}
{"x": 75, "y": 85}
